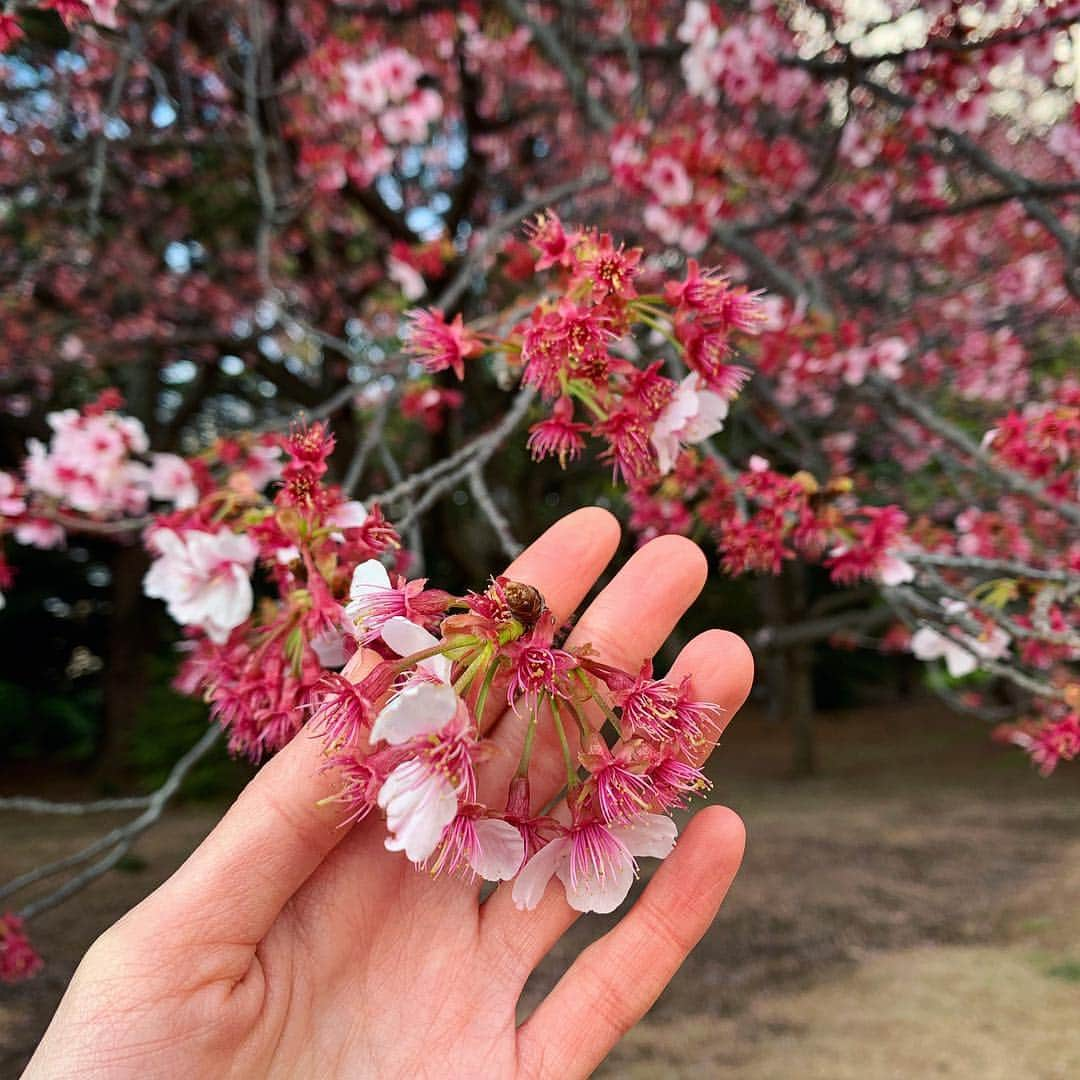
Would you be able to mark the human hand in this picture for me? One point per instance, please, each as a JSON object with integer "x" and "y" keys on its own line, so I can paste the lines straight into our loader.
{"x": 289, "y": 946}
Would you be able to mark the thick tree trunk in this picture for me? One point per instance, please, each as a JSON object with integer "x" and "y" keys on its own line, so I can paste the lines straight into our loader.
{"x": 789, "y": 672}
{"x": 128, "y": 646}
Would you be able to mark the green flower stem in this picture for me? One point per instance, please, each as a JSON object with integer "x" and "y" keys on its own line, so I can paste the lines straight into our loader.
{"x": 583, "y": 724}
{"x": 571, "y": 768}
{"x": 465, "y": 679}
{"x": 485, "y": 688}
{"x": 444, "y": 648}
{"x": 609, "y": 713}
{"x": 659, "y": 327}
{"x": 527, "y": 748}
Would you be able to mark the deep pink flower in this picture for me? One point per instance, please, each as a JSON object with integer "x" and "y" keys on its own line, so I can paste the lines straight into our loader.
{"x": 439, "y": 345}
{"x": 362, "y": 776}
{"x": 10, "y": 31}
{"x": 536, "y": 667}
{"x": 624, "y": 788}
{"x": 342, "y": 712}
{"x": 664, "y": 713}
{"x": 650, "y": 390}
{"x": 559, "y": 435}
{"x": 629, "y": 447}
{"x": 18, "y": 958}
{"x": 569, "y": 340}
{"x": 674, "y": 780}
{"x": 1048, "y": 743}
{"x": 612, "y": 270}
{"x": 546, "y": 233}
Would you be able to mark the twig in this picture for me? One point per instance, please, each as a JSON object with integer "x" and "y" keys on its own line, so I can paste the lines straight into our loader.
{"x": 27, "y": 804}
{"x": 506, "y": 222}
{"x": 482, "y": 494}
{"x": 576, "y": 80}
{"x": 121, "y": 837}
{"x": 372, "y": 435}
{"x": 1009, "y": 567}
{"x": 264, "y": 185}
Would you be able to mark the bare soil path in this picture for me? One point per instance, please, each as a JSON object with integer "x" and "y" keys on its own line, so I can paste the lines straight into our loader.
{"x": 911, "y": 912}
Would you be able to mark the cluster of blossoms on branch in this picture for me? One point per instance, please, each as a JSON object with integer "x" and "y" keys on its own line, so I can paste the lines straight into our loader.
{"x": 579, "y": 349}
{"x": 97, "y": 471}
{"x": 257, "y": 664}
{"x": 441, "y": 670}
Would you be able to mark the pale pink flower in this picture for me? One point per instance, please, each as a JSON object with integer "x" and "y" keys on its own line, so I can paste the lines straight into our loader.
{"x": 693, "y": 414}
{"x": 204, "y": 578}
{"x": 263, "y": 464}
{"x": 485, "y": 847}
{"x": 172, "y": 480}
{"x": 346, "y": 515}
{"x": 399, "y": 72}
{"x": 421, "y": 708}
{"x": 39, "y": 533}
{"x": 372, "y": 600}
{"x": 87, "y": 465}
{"x": 12, "y": 504}
{"x": 419, "y": 802}
{"x": 960, "y": 651}
{"x": 364, "y": 85}
{"x": 894, "y": 570}
{"x": 668, "y": 181}
{"x": 404, "y": 124}
{"x": 596, "y": 863}
{"x": 420, "y": 796}
{"x": 407, "y": 278}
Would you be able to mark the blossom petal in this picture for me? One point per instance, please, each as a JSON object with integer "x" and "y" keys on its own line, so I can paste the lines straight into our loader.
{"x": 502, "y": 849}
{"x": 419, "y": 804}
{"x": 368, "y": 576}
{"x": 420, "y": 709}
{"x": 532, "y": 882}
{"x": 405, "y": 638}
{"x": 650, "y": 835}
{"x": 601, "y": 893}
{"x": 959, "y": 661}
{"x": 927, "y": 644}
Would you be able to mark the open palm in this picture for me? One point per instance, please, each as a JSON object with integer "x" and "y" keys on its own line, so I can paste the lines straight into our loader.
{"x": 289, "y": 946}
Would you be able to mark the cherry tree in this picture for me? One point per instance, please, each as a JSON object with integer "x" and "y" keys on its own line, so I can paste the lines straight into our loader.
{"x": 796, "y": 278}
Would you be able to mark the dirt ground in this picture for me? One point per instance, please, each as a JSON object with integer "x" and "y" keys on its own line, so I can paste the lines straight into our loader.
{"x": 910, "y": 912}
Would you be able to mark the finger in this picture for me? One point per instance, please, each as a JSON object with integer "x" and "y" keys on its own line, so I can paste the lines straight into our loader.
{"x": 265, "y": 847}
{"x": 630, "y": 619}
{"x": 721, "y": 670}
{"x": 614, "y": 981}
{"x": 563, "y": 564}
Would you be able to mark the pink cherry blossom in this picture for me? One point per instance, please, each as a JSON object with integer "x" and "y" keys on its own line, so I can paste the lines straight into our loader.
{"x": 171, "y": 480}
{"x": 596, "y": 863}
{"x": 203, "y": 577}
{"x": 693, "y": 414}
{"x": 479, "y": 846}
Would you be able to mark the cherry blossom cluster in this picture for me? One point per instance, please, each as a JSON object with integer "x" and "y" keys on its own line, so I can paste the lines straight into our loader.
{"x": 579, "y": 349}
{"x": 18, "y": 958}
{"x": 376, "y": 106}
{"x": 97, "y": 470}
{"x": 447, "y": 680}
{"x": 257, "y": 664}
